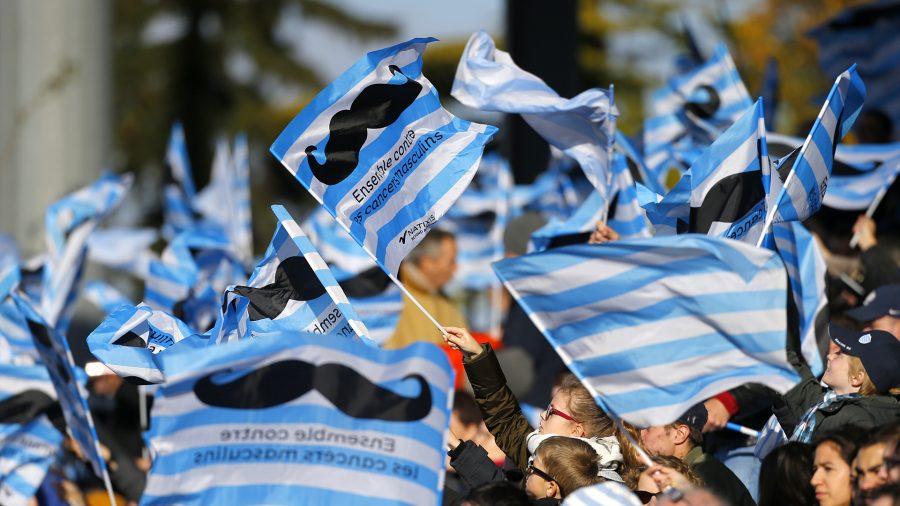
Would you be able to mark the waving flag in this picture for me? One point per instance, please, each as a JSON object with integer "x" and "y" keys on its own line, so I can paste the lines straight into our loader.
{"x": 126, "y": 249}
{"x": 343, "y": 255}
{"x": 129, "y": 339}
{"x": 582, "y": 127}
{"x": 858, "y": 174}
{"x": 378, "y": 150}
{"x": 810, "y": 166}
{"x": 104, "y": 296}
{"x": 9, "y": 265}
{"x": 723, "y": 193}
{"x": 291, "y": 290}
{"x": 691, "y": 110}
{"x": 195, "y": 268}
{"x": 296, "y": 419}
{"x": 56, "y": 356}
{"x": 28, "y": 450}
{"x": 69, "y": 221}
{"x": 652, "y": 327}
{"x": 806, "y": 271}
{"x": 178, "y": 196}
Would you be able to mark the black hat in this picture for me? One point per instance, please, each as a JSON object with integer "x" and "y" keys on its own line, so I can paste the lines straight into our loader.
{"x": 695, "y": 417}
{"x": 884, "y": 300}
{"x": 878, "y": 350}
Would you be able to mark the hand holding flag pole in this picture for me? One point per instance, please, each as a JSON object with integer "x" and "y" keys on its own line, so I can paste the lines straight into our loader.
{"x": 854, "y": 241}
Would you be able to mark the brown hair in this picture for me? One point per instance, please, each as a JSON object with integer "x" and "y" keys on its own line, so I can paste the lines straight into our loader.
{"x": 867, "y": 389}
{"x": 571, "y": 463}
{"x": 633, "y": 474}
{"x": 583, "y": 408}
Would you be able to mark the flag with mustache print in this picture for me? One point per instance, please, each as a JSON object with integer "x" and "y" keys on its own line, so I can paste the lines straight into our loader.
{"x": 292, "y": 418}
{"x": 377, "y": 149}
{"x": 291, "y": 289}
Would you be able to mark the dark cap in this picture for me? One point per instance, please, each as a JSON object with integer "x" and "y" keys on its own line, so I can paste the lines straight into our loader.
{"x": 695, "y": 417}
{"x": 878, "y": 350}
{"x": 884, "y": 300}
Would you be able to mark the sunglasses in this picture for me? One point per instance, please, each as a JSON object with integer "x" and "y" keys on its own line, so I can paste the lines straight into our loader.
{"x": 550, "y": 411}
{"x": 533, "y": 470}
{"x": 645, "y": 496}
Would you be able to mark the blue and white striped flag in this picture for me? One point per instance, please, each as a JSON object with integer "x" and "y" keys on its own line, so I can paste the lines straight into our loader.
{"x": 343, "y": 255}
{"x": 607, "y": 493}
{"x": 297, "y": 419}
{"x": 378, "y": 150}
{"x": 803, "y": 190}
{"x": 26, "y": 453}
{"x": 125, "y": 249}
{"x": 723, "y": 193}
{"x": 178, "y": 196}
{"x": 106, "y": 297}
{"x": 15, "y": 339}
{"x": 654, "y": 326}
{"x": 291, "y": 290}
{"x": 806, "y": 271}
{"x": 57, "y": 357}
{"x": 69, "y": 222}
{"x": 130, "y": 338}
{"x": 859, "y": 172}
{"x": 691, "y": 110}
{"x": 582, "y": 127}
{"x": 194, "y": 271}
{"x": 9, "y": 265}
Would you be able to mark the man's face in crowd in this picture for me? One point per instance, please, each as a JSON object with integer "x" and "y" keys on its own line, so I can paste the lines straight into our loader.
{"x": 886, "y": 323}
{"x": 868, "y": 463}
{"x": 659, "y": 440}
{"x": 440, "y": 269}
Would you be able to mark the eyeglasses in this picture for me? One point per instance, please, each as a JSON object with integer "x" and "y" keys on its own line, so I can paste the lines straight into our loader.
{"x": 645, "y": 496}
{"x": 533, "y": 470}
{"x": 550, "y": 411}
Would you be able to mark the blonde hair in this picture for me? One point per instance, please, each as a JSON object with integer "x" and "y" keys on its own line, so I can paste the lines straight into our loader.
{"x": 571, "y": 463}
{"x": 583, "y": 408}
{"x": 867, "y": 389}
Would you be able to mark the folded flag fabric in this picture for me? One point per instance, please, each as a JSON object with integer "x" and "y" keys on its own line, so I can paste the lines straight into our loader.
{"x": 723, "y": 194}
{"x": 69, "y": 222}
{"x": 810, "y": 166}
{"x": 130, "y": 338}
{"x": 70, "y": 390}
{"x": 654, "y": 326}
{"x": 28, "y": 450}
{"x": 381, "y": 154}
{"x": 292, "y": 418}
{"x": 582, "y": 127}
{"x": 291, "y": 289}
{"x": 179, "y": 194}
{"x": 806, "y": 270}
{"x": 377, "y": 300}
{"x": 125, "y": 249}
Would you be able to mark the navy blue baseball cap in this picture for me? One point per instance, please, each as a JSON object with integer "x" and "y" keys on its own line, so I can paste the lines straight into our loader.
{"x": 695, "y": 417}
{"x": 878, "y": 350}
{"x": 884, "y": 300}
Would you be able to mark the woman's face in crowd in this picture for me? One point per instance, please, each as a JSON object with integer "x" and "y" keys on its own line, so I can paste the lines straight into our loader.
{"x": 831, "y": 476}
{"x": 837, "y": 373}
{"x": 553, "y": 423}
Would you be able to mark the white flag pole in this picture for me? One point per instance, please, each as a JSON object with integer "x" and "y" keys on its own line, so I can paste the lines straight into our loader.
{"x": 854, "y": 241}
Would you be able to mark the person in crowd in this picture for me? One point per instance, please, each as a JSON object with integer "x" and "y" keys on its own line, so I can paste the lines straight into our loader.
{"x": 671, "y": 471}
{"x": 425, "y": 272}
{"x": 860, "y": 372}
{"x": 572, "y": 411}
{"x": 784, "y": 478}
{"x": 560, "y": 466}
{"x": 683, "y": 439}
{"x": 885, "y": 495}
{"x": 870, "y": 458}
{"x": 880, "y": 310}
{"x": 831, "y": 478}
{"x": 890, "y": 469}
{"x": 496, "y": 493}
{"x": 878, "y": 260}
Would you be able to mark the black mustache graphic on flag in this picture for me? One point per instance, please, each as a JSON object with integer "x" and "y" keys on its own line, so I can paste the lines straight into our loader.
{"x": 295, "y": 279}
{"x": 349, "y": 391}
{"x": 727, "y": 201}
{"x": 708, "y": 107}
{"x": 376, "y": 106}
